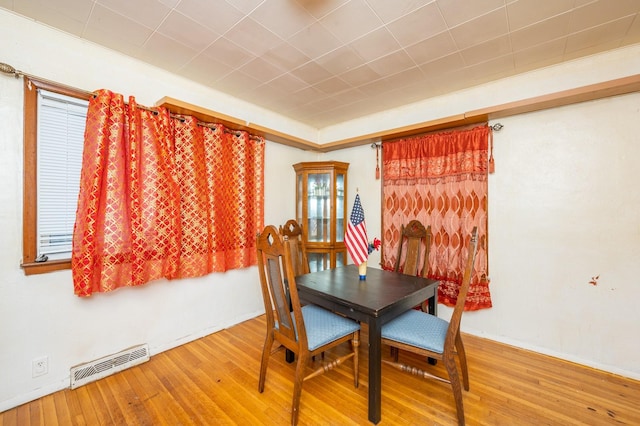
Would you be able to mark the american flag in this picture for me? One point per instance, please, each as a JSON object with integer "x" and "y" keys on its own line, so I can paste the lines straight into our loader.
{"x": 355, "y": 238}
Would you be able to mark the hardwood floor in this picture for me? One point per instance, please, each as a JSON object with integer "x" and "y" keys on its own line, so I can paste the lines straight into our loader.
{"x": 214, "y": 381}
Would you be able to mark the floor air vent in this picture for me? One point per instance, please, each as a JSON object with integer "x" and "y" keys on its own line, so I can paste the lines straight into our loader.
{"x": 94, "y": 370}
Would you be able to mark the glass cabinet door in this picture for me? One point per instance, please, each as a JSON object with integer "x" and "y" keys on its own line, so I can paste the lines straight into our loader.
{"x": 321, "y": 208}
{"x": 340, "y": 203}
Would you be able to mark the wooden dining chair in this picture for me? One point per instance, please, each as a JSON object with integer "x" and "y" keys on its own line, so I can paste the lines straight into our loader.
{"x": 293, "y": 231}
{"x": 410, "y": 261}
{"x": 424, "y": 334}
{"x": 305, "y": 330}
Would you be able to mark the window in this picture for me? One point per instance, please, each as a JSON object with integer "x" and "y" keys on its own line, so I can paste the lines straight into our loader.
{"x": 54, "y": 121}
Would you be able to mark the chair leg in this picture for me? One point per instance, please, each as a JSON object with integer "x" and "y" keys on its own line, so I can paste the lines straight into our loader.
{"x": 302, "y": 360}
{"x": 266, "y": 354}
{"x": 462, "y": 356}
{"x": 450, "y": 364}
{"x": 394, "y": 353}
{"x": 356, "y": 345}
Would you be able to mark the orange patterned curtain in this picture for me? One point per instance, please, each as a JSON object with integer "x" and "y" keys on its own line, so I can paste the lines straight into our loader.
{"x": 441, "y": 180}
{"x": 162, "y": 197}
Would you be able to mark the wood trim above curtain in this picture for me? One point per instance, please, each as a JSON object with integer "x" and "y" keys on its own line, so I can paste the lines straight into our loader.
{"x": 440, "y": 179}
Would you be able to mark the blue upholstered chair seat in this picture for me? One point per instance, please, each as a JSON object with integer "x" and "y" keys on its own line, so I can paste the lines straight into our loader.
{"x": 418, "y": 329}
{"x": 324, "y": 326}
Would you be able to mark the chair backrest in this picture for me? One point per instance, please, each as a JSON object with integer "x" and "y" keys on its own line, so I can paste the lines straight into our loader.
{"x": 293, "y": 231}
{"x": 412, "y": 237}
{"x": 454, "y": 322}
{"x": 279, "y": 292}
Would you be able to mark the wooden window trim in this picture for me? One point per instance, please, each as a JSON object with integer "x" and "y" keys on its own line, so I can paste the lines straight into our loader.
{"x": 30, "y": 194}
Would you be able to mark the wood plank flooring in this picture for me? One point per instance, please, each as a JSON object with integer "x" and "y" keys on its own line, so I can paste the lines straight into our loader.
{"x": 214, "y": 381}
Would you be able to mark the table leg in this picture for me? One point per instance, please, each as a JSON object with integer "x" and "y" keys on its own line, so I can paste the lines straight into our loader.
{"x": 433, "y": 310}
{"x": 433, "y": 304}
{"x": 375, "y": 370}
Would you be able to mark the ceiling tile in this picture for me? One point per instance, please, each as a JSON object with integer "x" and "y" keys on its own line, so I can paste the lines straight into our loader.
{"x": 592, "y": 50}
{"x": 217, "y": 15}
{"x": 456, "y": 12}
{"x": 486, "y": 27}
{"x": 541, "y": 55}
{"x": 400, "y": 79}
{"x": 351, "y": 21}
{"x": 392, "y": 64}
{"x": 319, "y": 8}
{"x": 314, "y": 41}
{"x": 598, "y": 12}
{"x": 443, "y": 66}
{"x": 266, "y": 94}
{"x": 285, "y": 56}
{"x": 523, "y": 13}
{"x": 282, "y": 18}
{"x": 349, "y": 96}
{"x": 376, "y": 44}
{"x": 166, "y": 53}
{"x": 418, "y": 25}
{"x": 149, "y": 13}
{"x": 260, "y": 69}
{"x": 332, "y": 85}
{"x": 237, "y": 83}
{"x": 198, "y": 36}
{"x": 170, "y": 3}
{"x": 541, "y": 32}
{"x": 253, "y": 37}
{"x": 389, "y": 11}
{"x": 105, "y": 21}
{"x": 205, "y": 69}
{"x": 288, "y": 83}
{"x": 487, "y": 51}
{"x": 633, "y": 34}
{"x": 311, "y": 73}
{"x": 361, "y": 75}
{"x": 432, "y": 48}
{"x": 495, "y": 68}
{"x": 612, "y": 32}
{"x": 302, "y": 96}
{"x": 326, "y": 103}
{"x": 228, "y": 53}
{"x": 67, "y": 15}
{"x": 340, "y": 60}
{"x": 244, "y": 6}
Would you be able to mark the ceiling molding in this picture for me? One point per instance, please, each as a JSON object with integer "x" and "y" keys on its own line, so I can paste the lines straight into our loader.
{"x": 590, "y": 92}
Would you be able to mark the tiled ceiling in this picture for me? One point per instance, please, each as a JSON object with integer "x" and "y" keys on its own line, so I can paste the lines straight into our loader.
{"x": 322, "y": 62}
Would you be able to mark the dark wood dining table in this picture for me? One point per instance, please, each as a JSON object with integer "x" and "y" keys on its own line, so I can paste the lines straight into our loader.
{"x": 375, "y": 301}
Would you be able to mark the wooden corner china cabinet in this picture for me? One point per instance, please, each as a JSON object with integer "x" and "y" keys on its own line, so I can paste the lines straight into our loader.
{"x": 321, "y": 194}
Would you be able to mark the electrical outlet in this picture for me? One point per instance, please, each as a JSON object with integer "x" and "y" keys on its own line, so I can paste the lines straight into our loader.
{"x": 40, "y": 366}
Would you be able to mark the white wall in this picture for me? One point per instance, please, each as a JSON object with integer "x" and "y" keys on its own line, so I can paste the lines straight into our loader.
{"x": 564, "y": 207}
{"x": 39, "y": 315}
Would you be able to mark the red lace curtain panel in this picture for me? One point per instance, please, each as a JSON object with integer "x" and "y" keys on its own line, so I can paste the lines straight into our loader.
{"x": 162, "y": 197}
{"x": 441, "y": 180}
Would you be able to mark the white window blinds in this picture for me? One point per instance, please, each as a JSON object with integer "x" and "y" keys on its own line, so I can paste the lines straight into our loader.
{"x": 61, "y": 124}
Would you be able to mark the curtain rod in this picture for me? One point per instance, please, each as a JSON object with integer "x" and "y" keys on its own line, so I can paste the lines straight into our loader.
{"x": 8, "y": 69}
{"x": 495, "y": 127}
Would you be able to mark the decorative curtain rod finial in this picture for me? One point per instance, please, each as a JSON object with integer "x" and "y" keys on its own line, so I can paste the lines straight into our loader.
{"x": 496, "y": 127}
{"x": 8, "y": 69}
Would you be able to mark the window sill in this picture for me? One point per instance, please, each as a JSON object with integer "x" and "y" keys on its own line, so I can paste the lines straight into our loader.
{"x": 33, "y": 268}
